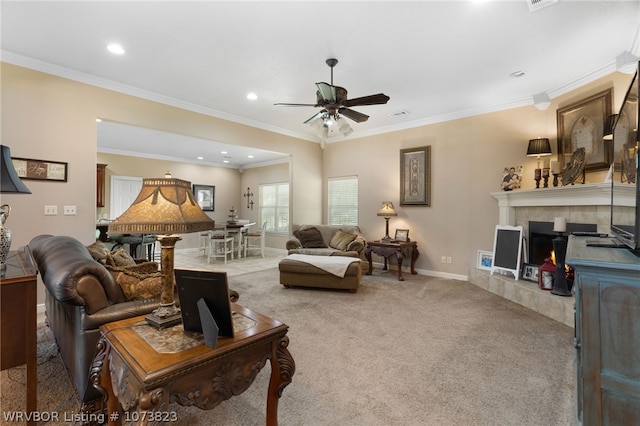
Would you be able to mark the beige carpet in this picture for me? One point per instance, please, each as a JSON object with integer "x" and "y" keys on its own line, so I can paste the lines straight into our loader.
{"x": 424, "y": 351}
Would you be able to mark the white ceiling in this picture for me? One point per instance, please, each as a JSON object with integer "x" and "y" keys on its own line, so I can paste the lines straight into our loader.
{"x": 436, "y": 60}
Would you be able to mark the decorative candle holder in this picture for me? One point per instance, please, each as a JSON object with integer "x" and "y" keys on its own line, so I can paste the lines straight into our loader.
{"x": 538, "y": 177}
{"x": 555, "y": 179}
{"x": 545, "y": 176}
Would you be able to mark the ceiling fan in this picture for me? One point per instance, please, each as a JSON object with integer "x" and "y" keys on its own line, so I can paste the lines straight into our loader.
{"x": 333, "y": 101}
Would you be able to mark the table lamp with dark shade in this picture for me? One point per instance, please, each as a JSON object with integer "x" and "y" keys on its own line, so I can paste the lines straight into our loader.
{"x": 387, "y": 210}
{"x": 164, "y": 206}
{"x": 10, "y": 183}
{"x": 539, "y": 147}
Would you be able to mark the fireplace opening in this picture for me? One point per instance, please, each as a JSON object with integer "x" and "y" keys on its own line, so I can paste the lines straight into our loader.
{"x": 541, "y": 237}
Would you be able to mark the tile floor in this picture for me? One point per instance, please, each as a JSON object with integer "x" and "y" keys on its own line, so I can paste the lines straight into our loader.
{"x": 196, "y": 259}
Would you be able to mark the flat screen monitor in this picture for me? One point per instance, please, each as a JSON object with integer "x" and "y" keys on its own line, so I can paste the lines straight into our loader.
{"x": 625, "y": 195}
{"x": 211, "y": 286}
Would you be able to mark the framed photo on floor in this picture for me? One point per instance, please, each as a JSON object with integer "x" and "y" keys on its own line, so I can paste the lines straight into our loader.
{"x": 530, "y": 272}
{"x": 485, "y": 260}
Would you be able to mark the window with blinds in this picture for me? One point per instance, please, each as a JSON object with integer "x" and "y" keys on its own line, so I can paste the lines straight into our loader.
{"x": 274, "y": 206}
{"x": 343, "y": 200}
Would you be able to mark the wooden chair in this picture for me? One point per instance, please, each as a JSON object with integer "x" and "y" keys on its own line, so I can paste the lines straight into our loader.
{"x": 220, "y": 244}
{"x": 255, "y": 240}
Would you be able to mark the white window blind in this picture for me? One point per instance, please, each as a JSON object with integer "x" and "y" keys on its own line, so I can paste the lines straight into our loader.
{"x": 274, "y": 206}
{"x": 343, "y": 200}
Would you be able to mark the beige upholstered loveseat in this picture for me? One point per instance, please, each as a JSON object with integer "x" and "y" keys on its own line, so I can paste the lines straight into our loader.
{"x": 328, "y": 240}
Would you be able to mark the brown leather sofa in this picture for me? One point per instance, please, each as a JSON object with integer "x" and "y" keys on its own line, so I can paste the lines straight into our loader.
{"x": 80, "y": 296}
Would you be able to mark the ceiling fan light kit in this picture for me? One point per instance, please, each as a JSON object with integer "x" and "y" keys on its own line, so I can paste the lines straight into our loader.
{"x": 335, "y": 104}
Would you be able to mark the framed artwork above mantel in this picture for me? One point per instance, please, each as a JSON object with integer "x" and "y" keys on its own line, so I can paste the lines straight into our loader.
{"x": 581, "y": 125}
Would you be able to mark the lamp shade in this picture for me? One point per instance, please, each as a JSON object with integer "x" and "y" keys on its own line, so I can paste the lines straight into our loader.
{"x": 10, "y": 183}
{"x": 607, "y": 134}
{"x": 163, "y": 206}
{"x": 538, "y": 147}
{"x": 387, "y": 209}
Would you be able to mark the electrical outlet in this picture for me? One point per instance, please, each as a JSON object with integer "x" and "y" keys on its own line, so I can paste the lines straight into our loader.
{"x": 50, "y": 210}
{"x": 443, "y": 259}
{"x": 69, "y": 210}
{"x": 448, "y": 259}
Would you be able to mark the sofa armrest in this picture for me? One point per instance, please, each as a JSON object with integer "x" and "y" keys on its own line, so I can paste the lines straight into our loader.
{"x": 293, "y": 243}
{"x": 120, "y": 311}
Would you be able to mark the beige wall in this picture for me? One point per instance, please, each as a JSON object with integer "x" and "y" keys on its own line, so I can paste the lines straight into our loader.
{"x": 467, "y": 159}
{"x": 47, "y": 117}
{"x": 50, "y": 118}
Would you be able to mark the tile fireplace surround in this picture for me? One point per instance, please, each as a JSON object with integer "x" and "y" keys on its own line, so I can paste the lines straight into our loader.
{"x": 587, "y": 203}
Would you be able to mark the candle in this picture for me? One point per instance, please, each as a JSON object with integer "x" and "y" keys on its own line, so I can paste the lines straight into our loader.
{"x": 545, "y": 163}
{"x": 559, "y": 224}
{"x": 555, "y": 167}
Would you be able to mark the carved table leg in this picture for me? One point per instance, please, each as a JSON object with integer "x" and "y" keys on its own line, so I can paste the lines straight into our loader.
{"x": 282, "y": 369}
{"x": 101, "y": 380}
{"x": 414, "y": 255}
{"x": 367, "y": 254}
{"x": 400, "y": 257}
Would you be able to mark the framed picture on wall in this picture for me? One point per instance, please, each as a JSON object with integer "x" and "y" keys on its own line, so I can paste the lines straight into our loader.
{"x": 205, "y": 196}
{"x": 415, "y": 176}
{"x": 581, "y": 125}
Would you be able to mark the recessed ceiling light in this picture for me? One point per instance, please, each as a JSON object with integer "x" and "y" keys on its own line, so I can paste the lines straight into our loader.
{"x": 252, "y": 96}
{"x": 200, "y": 157}
{"x": 517, "y": 74}
{"x": 98, "y": 120}
{"x": 115, "y": 48}
{"x": 250, "y": 156}
{"x": 225, "y": 161}
{"x": 223, "y": 152}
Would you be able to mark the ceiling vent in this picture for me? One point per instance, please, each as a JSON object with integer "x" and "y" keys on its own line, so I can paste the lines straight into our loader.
{"x": 399, "y": 113}
{"x": 539, "y": 4}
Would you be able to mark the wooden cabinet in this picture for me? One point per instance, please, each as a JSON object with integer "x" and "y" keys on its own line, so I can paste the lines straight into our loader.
{"x": 607, "y": 330}
{"x": 18, "y": 338}
{"x": 100, "y": 181}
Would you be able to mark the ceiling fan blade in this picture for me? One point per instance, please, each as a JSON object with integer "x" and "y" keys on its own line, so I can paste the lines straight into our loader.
{"x": 285, "y": 104}
{"x": 319, "y": 114}
{"x": 356, "y": 116}
{"x": 327, "y": 91}
{"x": 377, "y": 99}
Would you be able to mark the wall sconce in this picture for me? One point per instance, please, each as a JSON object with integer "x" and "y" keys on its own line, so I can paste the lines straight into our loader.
{"x": 249, "y": 197}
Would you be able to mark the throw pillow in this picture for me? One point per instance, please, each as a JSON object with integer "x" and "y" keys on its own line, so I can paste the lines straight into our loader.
{"x": 341, "y": 240}
{"x": 120, "y": 257}
{"x": 137, "y": 282}
{"x": 310, "y": 237}
{"x": 99, "y": 251}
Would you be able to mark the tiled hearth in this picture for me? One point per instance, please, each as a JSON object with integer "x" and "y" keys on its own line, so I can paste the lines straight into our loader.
{"x": 588, "y": 203}
{"x": 527, "y": 294}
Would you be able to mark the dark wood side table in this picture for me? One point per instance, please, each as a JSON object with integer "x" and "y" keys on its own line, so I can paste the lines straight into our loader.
{"x": 389, "y": 248}
{"x": 141, "y": 370}
{"x": 18, "y": 338}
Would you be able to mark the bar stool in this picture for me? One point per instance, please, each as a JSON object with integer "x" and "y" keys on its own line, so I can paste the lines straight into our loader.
{"x": 257, "y": 238}
{"x": 220, "y": 244}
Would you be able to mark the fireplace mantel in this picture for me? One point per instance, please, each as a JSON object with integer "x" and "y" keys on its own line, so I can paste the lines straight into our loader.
{"x": 594, "y": 194}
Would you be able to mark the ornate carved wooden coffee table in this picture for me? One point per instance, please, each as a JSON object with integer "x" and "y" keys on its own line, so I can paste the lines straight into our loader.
{"x": 141, "y": 370}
